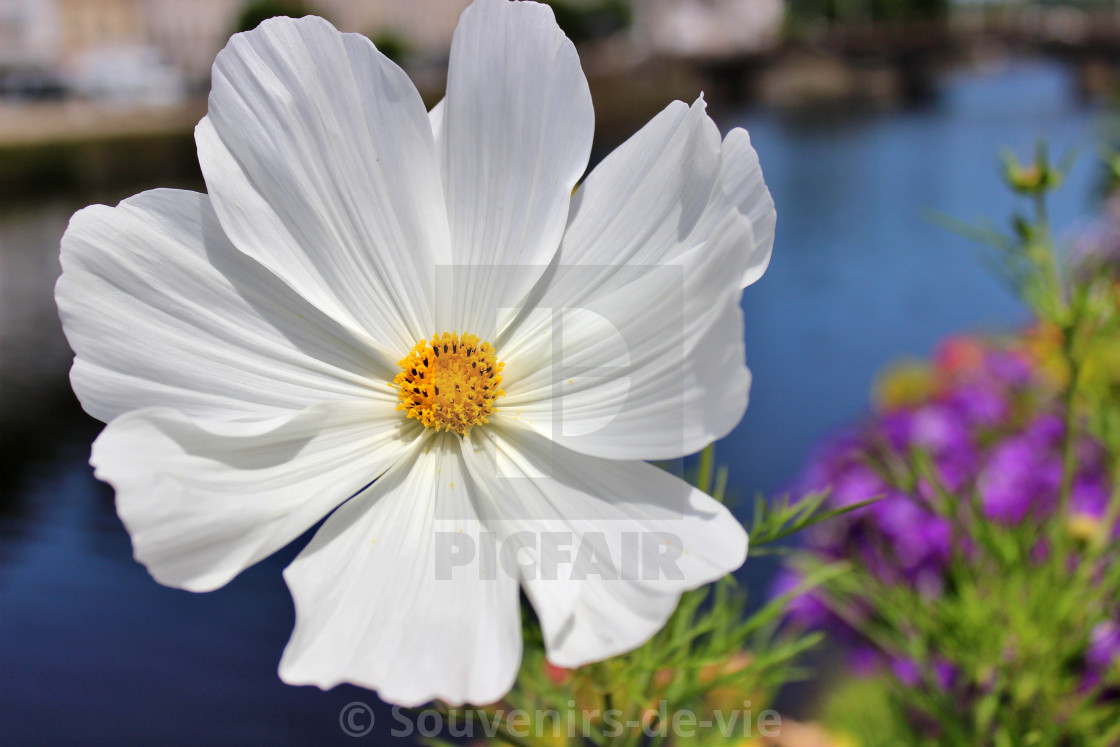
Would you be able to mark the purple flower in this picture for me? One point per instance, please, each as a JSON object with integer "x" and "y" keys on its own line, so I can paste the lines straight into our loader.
{"x": 1008, "y": 367}
{"x": 908, "y": 673}
{"x": 864, "y": 660}
{"x": 979, "y": 404}
{"x": 938, "y": 429}
{"x": 1104, "y": 646}
{"x": 896, "y": 426}
{"x": 856, "y": 484}
{"x": 945, "y": 673}
{"x": 955, "y": 470}
{"x": 1046, "y": 429}
{"x": 805, "y": 607}
{"x": 1020, "y": 479}
{"x": 986, "y": 432}
{"x": 1089, "y": 496}
{"x": 917, "y": 537}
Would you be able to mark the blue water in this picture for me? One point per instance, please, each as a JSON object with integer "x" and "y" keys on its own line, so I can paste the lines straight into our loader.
{"x": 861, "y": 274}
{"x": 93, "y": 651}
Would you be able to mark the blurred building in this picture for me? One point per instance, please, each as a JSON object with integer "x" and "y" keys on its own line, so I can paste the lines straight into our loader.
{"x": 130, "y": 50}
{"x": 425, "y": 26}
{"x": 190, "y": 33}
{"x": 709, "y": 28}
{"x": 29, "y": 33}
{"x": 145, "y": 44}
{"x": 86, "y": 25}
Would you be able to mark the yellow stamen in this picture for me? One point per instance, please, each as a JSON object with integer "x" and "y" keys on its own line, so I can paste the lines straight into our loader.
{"x": 449, "y": 382}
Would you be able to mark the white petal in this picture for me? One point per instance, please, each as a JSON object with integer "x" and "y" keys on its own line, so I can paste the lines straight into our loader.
{"x": 320, "y": 160}
{"x": 613, "y": 543}
{"x": 608, "y": 619}
{"x": 163, "y": 311}
{"x": 202, "y": 502}
{"x": 663, "y": 235}
{"x": 516, "y": 135}
{"x": 380, "y": 604}
{"x": 652, "y": 369}
{"x": 742, "y": 186}
{"x": 664, "y": 191}
{"x": 661, "y": 193}
{"x": 435, "y": 116}
{"x": 642, "y": 205}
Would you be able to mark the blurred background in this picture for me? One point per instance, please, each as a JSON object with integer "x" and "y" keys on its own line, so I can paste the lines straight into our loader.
{"x": 868, "y": 115}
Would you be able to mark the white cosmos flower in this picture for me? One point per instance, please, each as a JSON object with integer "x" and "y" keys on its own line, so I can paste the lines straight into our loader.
{"x": 246, "y": 347}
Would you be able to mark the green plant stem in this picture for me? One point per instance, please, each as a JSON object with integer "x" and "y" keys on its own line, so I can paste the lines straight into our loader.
{"x": 1048, "y": 259}
{"x": 1040, "y": 216}
{"x": 505, "y": 736}
{"x": 608, "y": 706}
{"x": 1069, "y": 437}
{"x": 706, "y": 469}
{"x": 1112, "y": 514}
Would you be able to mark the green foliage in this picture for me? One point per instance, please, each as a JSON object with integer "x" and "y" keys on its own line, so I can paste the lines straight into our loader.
{"x": 1079, "y": 301}
{"x": 391, "y": 44}
{"x": 711, "y": 659}
{"x": 591, "y": 19}
{"x": 778, "y": 519}
{"x": 1000, "y": 650}
{"x": 258, "y": 11}
{"x": 862, "y": 711}
{"x": 1015, "y": 631}
{"x": 806, "y": 13}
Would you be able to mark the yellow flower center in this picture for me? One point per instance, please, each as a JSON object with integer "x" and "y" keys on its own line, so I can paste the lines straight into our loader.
{"x": 449, "y": 383}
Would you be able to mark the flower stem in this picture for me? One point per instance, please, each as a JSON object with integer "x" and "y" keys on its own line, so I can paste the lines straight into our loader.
{"x": 1069, "y": 437}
